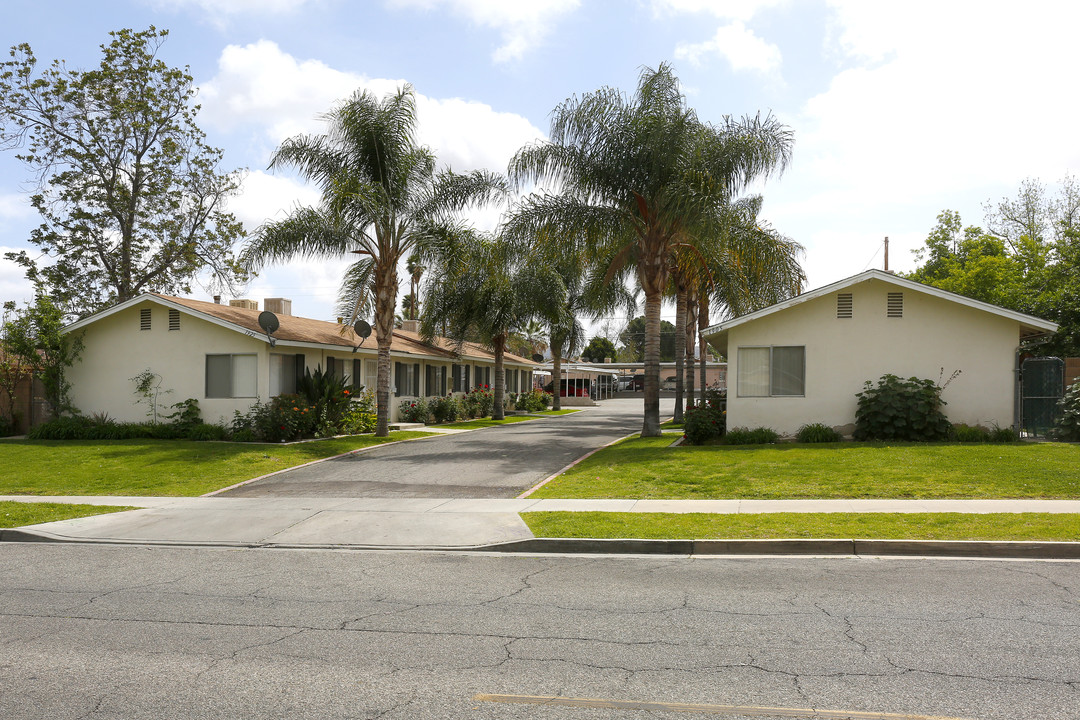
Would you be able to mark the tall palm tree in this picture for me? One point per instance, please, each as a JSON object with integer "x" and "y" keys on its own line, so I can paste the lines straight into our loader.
{"x": 480, "y": 292}
{"x": 633, "y": 176}
{"x": 381, "y": 199}
{"x": 416, "y": 271}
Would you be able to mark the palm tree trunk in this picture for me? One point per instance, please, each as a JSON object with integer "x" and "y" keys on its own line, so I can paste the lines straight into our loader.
{"x": 497, "y": 411}
{"x": 703, "y": 322}
{"x": 691, "y": 327}
{"x": 651, "y": 425}
{"x": 385, "y": 302}
{"x": 680, "y": 345}
{"x": 556, "y": 375}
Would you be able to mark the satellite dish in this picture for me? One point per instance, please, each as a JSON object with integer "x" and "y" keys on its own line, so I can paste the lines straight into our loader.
{"x": 537, "y": 357}
{"x": 363, "y": 330}
{"x": 269, "y": 323}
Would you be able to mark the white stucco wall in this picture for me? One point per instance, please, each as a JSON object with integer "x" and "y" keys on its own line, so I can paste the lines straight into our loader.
{"x": 841, "y": 354}
{"x": 116, "y": 350}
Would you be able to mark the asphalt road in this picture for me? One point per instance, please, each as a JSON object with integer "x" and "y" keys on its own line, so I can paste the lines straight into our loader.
{"x": 497, "y": 462}
{"x": 135, "y": 632}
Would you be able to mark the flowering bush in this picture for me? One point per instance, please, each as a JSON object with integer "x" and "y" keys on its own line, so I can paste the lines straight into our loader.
{"x": 478, "y": 402}
{"x": 360, "y": 417}
{"x": 446, "y": 409}
{"x": 286, "y": 417}
{"x": 415, "y": 411}
{"x": 534, "y": 400}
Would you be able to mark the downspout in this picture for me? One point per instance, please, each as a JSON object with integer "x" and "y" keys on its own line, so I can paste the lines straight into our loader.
{"x": 1018, "y": 379}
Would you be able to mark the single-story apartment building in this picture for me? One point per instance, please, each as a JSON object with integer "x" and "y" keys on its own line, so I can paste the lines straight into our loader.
{"x": 803, "y": 360}
{"x": 219, "y": 355}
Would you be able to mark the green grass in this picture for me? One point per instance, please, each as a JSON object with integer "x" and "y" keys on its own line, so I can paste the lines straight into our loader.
{"x": 564, "y": 411}
{"x": 485, "y": 422}
{"x": 17, "y": 514}
{"x": 649, "y": 468}
{"x": 899, "y": 526}
{"x": 155, "y": 467}
{"x": 671, "y": 425}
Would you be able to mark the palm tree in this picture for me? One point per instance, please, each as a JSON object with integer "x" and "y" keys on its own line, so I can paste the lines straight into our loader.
{"x": 479, "y": 292}
{"x": 382, "y": 198}
{"x": 528, "y": 340}
{"x": 636, "y": 175}
{"x": 416, "y": 271}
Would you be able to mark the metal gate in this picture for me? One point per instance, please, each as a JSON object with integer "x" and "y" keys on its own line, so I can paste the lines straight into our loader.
{"x": 1042, "y": 383}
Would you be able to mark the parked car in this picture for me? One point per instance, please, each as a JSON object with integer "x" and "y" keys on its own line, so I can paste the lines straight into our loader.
{"x": 625, "y": 381}
{"x": 637, "y": 382}
{"x": 668, "y": 383}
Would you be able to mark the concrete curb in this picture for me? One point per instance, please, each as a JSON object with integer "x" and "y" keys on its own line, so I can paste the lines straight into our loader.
{"x": 838, "y": 547}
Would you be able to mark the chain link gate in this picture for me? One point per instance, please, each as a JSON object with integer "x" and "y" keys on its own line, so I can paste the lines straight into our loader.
{"x": 1042, "y": 383}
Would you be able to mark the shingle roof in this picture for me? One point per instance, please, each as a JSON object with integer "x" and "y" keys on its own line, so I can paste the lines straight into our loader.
{"x": 293, "y": 328}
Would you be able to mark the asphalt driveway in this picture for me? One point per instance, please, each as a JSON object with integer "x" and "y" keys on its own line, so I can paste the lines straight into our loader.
{"x": 498, "y": 462}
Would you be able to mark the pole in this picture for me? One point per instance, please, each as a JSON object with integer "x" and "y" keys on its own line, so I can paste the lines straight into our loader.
{"x": 886, "y": 253}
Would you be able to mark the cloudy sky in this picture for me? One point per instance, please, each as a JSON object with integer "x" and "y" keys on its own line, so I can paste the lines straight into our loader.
{"x": 899, "y": 110}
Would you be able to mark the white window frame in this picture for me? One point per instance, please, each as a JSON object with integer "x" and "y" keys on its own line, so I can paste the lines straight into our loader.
{"x": 772, "y": 382}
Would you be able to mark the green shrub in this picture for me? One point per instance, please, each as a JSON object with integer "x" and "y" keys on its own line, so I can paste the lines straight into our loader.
{"x": 7, "y": 426}
{"x": 284, "y": 418}
{"x": 1003, "y": 435}
{"x": 445, "y": 409}
{"x": 745, "y": 436}
{"x": 328, "y": 397}
{"x": 703, "y": 423}
{"x": 534, "y": 400}
{"x": 206, "y": 431}
{"x": 970, "y": 433}
{"x": 360, "y": 417}
{"x": 185, "y": 413}
{"x": 1067, "y": 426}
{"x": 817, "y": 433}
{"x": 478, "y": 402}
{"x": 899, "y": 409}
{"x": 415, "y": 411}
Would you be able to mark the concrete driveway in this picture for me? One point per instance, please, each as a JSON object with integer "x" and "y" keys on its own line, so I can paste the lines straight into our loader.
{"x": 498, "y": 462}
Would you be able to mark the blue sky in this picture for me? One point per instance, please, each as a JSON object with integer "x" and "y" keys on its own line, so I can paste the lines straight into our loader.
{"x": 899, "y": 110}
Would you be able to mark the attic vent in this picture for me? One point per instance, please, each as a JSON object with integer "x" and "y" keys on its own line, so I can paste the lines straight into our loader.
{"x": 174, "y": 319}
{"x": 843, "y": 305}
{"x": 144, "y": 319}
{"x": 895, "y": 305}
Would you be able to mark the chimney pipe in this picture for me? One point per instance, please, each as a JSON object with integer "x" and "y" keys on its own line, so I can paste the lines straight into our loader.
{"x": 217, "y": 299}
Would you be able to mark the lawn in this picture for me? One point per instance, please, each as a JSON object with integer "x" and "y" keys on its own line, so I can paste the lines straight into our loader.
{"x": 155, "y": 467}
{"x": 564, "y": 411}
{"x": 650, "y": 468}
{"x": 17, "y": 514}
{"x": 898, "y": 526}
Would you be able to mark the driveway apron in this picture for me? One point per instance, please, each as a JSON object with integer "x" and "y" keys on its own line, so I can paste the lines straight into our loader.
{"x": 498, "y": 462}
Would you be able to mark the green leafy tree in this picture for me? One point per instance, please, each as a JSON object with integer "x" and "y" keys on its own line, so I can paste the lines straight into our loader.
{"x": 382, "y": 199}
{"x": 34, "y": 336}
{"x": 131, "y": 198}
{"x": 636, "y": 175}
{"x": 633, "y": 338}
{"x": 598, "y": 349}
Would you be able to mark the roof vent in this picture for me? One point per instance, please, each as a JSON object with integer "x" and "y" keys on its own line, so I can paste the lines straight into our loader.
{"x": 895, "y": 307}
{"x": 246, "y": 304}
{"x": 843, "y": 305}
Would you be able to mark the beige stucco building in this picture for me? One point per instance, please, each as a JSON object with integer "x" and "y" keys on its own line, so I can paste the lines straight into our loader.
{"x": 219, "y": 355}
{"x": 803, "y": 360}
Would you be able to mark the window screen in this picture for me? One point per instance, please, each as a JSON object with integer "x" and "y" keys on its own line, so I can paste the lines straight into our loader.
{"x": 282, "y": 374}
{"x": 231, "y": 376}
{"x": 788, "y": 377}
{"x": 753, "y": 372}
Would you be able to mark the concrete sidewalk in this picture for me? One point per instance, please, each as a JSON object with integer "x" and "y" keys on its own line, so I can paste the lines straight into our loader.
{"x": 429, "y": 523}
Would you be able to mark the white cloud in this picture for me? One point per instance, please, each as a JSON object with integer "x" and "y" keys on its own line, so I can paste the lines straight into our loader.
{"x": 13, "y": 282}
{"x": 523, "y": 25}
{"x": 729, "y": 9}
{"x": 220, "y": 11}
{"x": 261, "y": 86}
{"x": 15, "y": 206}
{"x": 737, "y": 44}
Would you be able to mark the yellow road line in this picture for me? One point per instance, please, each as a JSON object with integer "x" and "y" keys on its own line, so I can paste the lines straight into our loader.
{"x": 744, "y": 710}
